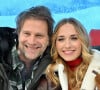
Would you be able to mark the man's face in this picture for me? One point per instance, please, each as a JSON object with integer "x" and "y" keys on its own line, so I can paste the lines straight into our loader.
{"x": 33, "y": 39}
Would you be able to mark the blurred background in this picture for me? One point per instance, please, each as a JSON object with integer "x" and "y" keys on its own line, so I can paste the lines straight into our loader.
{"x": 86, "y": 11}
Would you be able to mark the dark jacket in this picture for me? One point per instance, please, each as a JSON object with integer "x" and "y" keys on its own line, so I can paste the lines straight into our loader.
{"x": 38, "y": 73}
{"x": 4, "y": 83}
{"x": 40, "y": 82}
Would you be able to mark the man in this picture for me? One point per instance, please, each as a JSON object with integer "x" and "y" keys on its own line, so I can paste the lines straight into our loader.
{"x": 30, "y": 57}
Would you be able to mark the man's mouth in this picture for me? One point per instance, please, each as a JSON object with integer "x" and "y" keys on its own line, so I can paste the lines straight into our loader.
{"x": 33, "y": 47}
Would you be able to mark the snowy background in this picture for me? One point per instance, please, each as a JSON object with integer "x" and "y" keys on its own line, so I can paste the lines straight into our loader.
{"x": 86, "y": 11}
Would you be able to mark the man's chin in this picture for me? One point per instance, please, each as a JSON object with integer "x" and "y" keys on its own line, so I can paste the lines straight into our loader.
{"x": 30, "y": 57}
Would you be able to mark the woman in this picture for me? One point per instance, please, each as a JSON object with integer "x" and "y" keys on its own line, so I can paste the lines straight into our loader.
{"x": 75, "y": 64}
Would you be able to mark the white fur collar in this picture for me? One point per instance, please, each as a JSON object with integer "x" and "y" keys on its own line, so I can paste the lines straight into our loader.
{"x": 88, "y": 82}
{"x": 62, "y": 77}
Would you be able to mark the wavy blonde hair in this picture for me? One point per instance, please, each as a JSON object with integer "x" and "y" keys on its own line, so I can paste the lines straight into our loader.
{"x": 75, "y": 79}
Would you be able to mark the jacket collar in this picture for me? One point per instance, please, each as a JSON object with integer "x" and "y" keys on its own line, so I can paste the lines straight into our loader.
{"x": 88, "y": 81}
{"x": 45, "y": 61}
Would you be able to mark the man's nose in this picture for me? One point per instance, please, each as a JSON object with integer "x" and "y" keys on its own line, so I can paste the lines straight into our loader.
{"x": 32, "y": 40}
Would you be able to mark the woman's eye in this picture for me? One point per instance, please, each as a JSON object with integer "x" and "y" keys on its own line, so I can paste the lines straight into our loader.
{"x": 74, "y": 38}
{"x": 60, "y": 39}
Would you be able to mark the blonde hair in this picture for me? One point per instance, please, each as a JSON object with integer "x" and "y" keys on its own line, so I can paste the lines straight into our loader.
{"x": 86, "y": 54}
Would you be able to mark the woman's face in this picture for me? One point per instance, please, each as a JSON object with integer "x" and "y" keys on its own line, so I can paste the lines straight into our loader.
{"x": 68, "y": 43}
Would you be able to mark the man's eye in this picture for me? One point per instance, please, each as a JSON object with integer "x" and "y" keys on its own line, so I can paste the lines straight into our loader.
{"x": 39, "y": 36}
{"x": 26, "y": 34}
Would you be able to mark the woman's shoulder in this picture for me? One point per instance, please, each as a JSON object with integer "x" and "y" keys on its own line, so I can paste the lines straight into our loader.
{"x": 96, "y": 57}
{"x": 96, "y": 53}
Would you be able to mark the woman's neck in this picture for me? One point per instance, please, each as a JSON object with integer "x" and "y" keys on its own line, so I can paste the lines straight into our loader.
{"x": 73, "y": 64}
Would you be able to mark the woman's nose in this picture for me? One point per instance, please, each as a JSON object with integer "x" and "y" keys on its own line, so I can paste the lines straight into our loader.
{"x": 67, "y": 44}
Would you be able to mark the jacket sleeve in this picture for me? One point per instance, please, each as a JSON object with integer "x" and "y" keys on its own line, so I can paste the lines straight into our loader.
{"x": 4, "y": 82}
{"x": 46, "y": 84}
